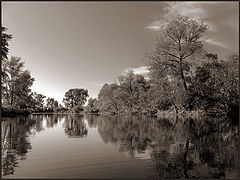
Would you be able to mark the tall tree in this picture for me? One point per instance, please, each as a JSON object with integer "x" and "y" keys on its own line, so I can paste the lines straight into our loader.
{"x": 75, "y": 99}
{"x": 5, "y": 38}
{"x": 16, "y": 83}
{"x": 177, "y": 43}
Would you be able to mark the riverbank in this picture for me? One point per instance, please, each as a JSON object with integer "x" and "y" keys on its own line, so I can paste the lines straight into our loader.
{"x": 12, "y": 112}
{"x": 173, "y": 114}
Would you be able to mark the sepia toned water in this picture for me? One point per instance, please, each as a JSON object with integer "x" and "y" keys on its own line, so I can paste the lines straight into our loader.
{"x": 118, "y": 147}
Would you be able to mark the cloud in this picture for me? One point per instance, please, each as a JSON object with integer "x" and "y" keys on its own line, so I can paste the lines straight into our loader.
{"x": 190, "y": 9}
{"x": 142, "y": 70}
{"x": 156, "y": 25}
{"x": 217, "y": 43}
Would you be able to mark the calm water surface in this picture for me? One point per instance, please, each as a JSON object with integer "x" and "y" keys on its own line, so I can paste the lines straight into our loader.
{"x": 90, "y": 146}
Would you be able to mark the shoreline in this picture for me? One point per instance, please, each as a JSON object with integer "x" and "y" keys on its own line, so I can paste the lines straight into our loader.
{"x": 185, "y": 114}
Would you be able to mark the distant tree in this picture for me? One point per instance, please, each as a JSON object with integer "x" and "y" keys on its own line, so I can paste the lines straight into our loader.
{"x": 129, "y": 95}
{"x": 91, "y": 106}
{"x": 51, "y": 104}
{"x": 16, "y": 83}
{"x": 126, "y": 90}
{"x": 107, "y": 98}
{"x": 60, "y": 108}
{"x": 132, "y": 89}
{"x": 178, "y": 41}
{"x": 38, "y": 101}
{"x": 75, "y": 99}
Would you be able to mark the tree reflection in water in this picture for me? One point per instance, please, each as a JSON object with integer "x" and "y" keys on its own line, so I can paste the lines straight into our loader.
{"x": 75, "y": 126}
{"x": 15, "y": 142}
{"x": 15, "y": 137}
{"x": 180, "y": 148}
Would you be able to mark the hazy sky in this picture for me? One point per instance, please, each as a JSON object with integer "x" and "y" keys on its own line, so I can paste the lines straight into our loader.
{"x": 83, "y": 45}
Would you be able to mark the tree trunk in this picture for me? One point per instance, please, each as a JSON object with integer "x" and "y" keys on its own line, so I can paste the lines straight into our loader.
{"x": 183, "y": 79}
{"x": 185, "y": 160}
{"x": 11, "y": 100}
{"x": 182, "y": 75}
{"x": 175, "y": 107}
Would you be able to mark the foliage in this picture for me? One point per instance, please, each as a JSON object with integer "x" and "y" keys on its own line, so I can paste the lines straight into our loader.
{"x": 177, "y": 44}
{"x": 38, "y": 101}
{"x": 10, "y": 111}
{"x": 183, "y": 77}
{"x": 75, "y": 99}
{"x": 5, "y": 38}
{"x": 51, "y": 104}
{"x": 16, "y": 83}
{"x": 128, "y": 96}
{"x": 132, "y": 92}
{"x": 91, "y": 106}
{"x": 215, "y": 87}
{"x": 60, "y": 109}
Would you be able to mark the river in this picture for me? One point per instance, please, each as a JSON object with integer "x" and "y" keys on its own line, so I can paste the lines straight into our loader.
{"x": 118, "y": 147}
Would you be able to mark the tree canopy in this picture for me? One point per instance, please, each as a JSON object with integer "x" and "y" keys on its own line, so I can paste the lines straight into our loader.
{"x": 177, "y": 43}
{"x": 75, "y": 99}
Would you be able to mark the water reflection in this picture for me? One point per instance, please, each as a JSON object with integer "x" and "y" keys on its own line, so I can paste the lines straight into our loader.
{"x": 15, "y": 142}
{"x": 176, "y": 148}
{"x": 75, "y": 126}
{"x": 189, "y": 148}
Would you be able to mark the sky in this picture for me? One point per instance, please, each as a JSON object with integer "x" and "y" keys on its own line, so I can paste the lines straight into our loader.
{"x": 86, "y": 44}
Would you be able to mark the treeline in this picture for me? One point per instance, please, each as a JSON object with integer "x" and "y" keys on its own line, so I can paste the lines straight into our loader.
{"x": 16, "y": 94}
{"x": 183, "y": 77}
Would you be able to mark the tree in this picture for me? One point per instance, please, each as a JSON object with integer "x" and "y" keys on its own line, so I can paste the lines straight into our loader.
{"x": 52, "y": 104}
{"x": 38, "y": 101}
{"x": 107, "y": 98}
{"x": 75, "y": 99}
{"x": 132, "y": 90}
{"x": 178, "y": 41}
{"x": 127, "y": 96}
{"x": 214, "y": 87}
{"x": 164, "y": 94}
{"x": 5, "y": 38}
{"x": 231, "y": 85}
{"x": 16, "y": 83}
{"x": 91, "y": 106}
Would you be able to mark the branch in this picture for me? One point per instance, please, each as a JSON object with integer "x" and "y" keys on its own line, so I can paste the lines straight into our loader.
{"x": 172, "y": 55}
{"x": 164, "y": 61}
{"x": 190, "y": 54}
{"x": 172, "y": 38}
